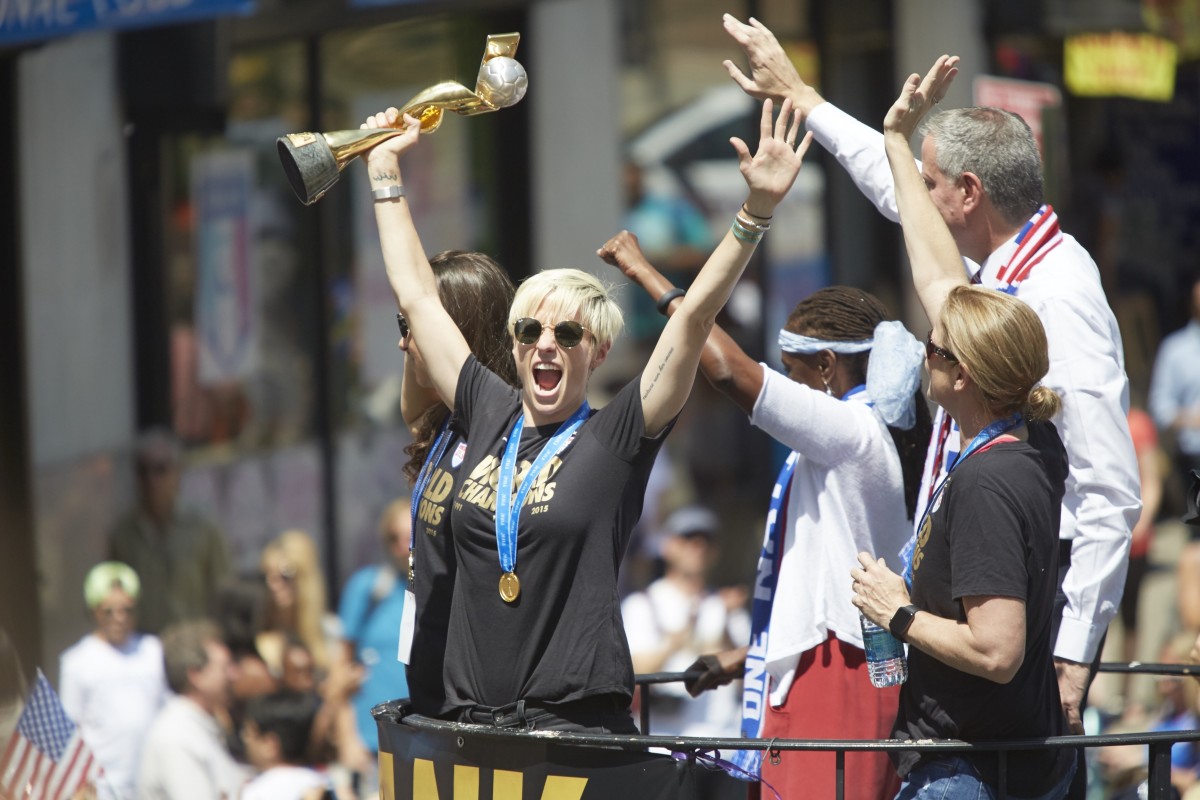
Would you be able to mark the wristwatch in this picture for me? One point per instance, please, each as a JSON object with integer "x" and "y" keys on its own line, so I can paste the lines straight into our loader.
{"x": 901, "y": 621}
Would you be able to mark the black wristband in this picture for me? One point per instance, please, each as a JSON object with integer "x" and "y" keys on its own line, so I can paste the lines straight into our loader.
{"x": 667, "y": 297}
{"x": 902, "y": 620}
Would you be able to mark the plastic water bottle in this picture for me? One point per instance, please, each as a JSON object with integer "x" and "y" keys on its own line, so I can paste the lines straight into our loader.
{"x": 886, "y": 663}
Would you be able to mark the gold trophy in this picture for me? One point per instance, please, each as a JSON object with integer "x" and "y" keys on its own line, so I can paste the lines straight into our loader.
{"x": 313, "y": 161}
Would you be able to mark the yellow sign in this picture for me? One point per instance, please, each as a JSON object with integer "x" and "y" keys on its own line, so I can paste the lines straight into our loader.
{"x": 1137, "y": 65}
{"x": 506, "y": 784}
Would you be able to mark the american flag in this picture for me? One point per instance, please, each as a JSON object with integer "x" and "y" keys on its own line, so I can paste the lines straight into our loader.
{"x": 46, "y": 759}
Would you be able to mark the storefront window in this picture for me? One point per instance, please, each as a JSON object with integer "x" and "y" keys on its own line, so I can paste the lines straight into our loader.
{"x": 283, "y": 334}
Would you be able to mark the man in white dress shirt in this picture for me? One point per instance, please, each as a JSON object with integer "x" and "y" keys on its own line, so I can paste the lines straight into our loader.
{"x": 185, "y": 756}
{"x": 984, "y": 173}
{"x": 112, "y": 680}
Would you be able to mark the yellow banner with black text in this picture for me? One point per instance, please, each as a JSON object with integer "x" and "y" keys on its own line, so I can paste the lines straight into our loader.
{"x": 443, "y": 761}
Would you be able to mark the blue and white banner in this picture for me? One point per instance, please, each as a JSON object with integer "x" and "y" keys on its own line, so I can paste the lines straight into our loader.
{"x": 34, "y": 20}
{"x": 226, "y": 305}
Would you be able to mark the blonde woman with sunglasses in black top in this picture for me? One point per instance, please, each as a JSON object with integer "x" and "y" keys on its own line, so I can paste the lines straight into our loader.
{"x": 549, "y": 488}
{"x": 976, "y": 601}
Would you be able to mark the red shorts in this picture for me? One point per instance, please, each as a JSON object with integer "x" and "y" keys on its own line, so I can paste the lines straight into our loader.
{"x": 831, "y": 698}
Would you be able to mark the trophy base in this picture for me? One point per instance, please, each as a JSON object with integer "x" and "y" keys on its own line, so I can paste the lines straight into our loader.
{"x": 309, "y": 164}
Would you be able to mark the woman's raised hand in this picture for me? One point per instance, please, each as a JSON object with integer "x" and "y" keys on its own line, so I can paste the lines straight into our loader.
{"x": 396, "y": 145}
{"x": 771, "y": 171}
{"x": 918, "y": 96}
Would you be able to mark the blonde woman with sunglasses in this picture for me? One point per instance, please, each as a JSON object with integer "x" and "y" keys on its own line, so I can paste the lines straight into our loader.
{"x": 977, "y": 598}
{"x": 549, "y": 488}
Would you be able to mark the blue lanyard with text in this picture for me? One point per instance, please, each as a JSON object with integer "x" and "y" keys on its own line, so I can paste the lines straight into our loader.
{"x": 997, "y": 428}
{"x": 508, "y": 508}
{"x": 432, "y": 458}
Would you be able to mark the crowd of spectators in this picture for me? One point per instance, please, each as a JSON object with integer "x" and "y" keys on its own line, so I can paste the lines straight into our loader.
{"x": 268, "y": 693}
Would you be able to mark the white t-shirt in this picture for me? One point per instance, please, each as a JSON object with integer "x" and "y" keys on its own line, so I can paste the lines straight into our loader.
{"x": 185, "y": 757}
{"x": 284, "y": 783}
{"x": 846, "y": 497}
{"x": 662, "y": 610}
{"x": 113, "y": 694}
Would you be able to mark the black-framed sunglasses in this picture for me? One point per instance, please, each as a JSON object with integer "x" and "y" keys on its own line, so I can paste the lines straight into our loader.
{"x": 932, "y": 350}
{"x": 567, "y": 333}
{"x": 403, "y": 323}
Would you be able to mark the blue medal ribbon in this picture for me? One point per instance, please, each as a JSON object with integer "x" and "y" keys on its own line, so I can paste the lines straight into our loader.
{"x": 508, "y": 508}
{"x": 991, "y": 431}
{"x": 432, "y": 459}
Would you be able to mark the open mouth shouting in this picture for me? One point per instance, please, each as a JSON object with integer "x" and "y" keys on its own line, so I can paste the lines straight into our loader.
{"x": 547, "y": 376}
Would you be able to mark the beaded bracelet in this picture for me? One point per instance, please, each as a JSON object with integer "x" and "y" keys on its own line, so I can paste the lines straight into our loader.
{"x": 751, "y": 225}
{"x": 745, "y": 234}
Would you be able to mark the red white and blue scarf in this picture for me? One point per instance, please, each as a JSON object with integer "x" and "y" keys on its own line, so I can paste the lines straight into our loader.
{"x": 1036, "y": 239}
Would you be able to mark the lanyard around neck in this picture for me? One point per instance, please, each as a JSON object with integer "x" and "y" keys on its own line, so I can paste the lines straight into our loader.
{"x": 993, "y": 430}
{"x": 432, "y": 458}
{"x": 508, "y": 508}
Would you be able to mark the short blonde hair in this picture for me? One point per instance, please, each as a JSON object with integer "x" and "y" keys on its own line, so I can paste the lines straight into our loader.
{"x": 568, "y": 293}
{"x": 1002, "y": 344}
{"x": 103, "y": 577}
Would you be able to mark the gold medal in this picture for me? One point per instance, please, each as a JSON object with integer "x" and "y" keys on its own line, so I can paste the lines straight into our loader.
{"x": 510, "y": 587}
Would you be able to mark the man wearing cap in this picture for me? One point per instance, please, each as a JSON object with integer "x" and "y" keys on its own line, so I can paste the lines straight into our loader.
{"x": 677, "y": 618}
{"x": 112, "y": 680}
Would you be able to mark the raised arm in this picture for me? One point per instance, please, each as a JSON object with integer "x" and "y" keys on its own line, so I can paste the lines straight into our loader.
{"x": 415, "y": 399}
{"x": 934, "y": 257}
{"x": 857, "y": 147}
{"x": 769, "y": 173}
{"x": 442, "y": 346}
{"x": 772, "y": 74}
{"x": 723, "y": 362}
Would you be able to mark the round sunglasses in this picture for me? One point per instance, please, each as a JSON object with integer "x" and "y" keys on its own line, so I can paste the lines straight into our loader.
{"x": 567, "y": 333}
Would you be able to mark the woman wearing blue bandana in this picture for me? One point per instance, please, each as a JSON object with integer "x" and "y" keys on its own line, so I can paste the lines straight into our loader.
{"x": 983, "y": 565}
{"x": 849, "y": 407}
{"x": 549, "y": 490}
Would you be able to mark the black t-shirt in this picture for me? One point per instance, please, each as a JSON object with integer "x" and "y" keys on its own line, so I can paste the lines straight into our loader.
{"x": 994, "y": 532}
{"x": 434, "y": 570}
{"x": 563, "y": 639}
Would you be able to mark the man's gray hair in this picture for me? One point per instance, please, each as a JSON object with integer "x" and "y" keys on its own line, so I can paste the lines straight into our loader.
{"x": 184, "y": 650}
{"x": 996, "y": 146}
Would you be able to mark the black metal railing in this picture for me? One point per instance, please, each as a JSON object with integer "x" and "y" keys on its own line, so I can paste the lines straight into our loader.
{"x": 699, "y": 748}
{"x": 707, "y": 750}
{"x": 1159, "y": 743}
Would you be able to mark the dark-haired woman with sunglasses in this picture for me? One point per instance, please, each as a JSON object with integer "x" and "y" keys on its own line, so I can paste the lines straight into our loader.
{"x": 551, "y": 488}
{"x": 476, "y": 292}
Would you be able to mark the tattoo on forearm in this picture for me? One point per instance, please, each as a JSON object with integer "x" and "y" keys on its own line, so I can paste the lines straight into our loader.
{"x": 385, "y": 176}
{"x": 658, "y": 373}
